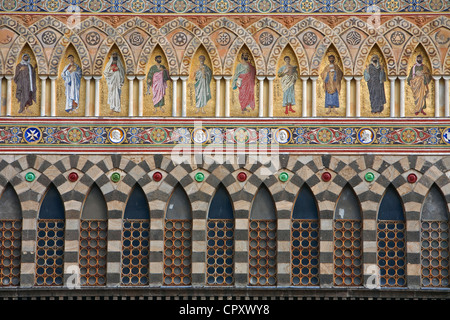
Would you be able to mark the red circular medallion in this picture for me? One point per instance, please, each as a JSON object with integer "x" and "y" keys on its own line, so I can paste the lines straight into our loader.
{"x": 242, "y": 176}
{"x": 412, "y": 178}
{"x": 326, "y": 176}
{"x": 157, "y": 176}
{"x": 73, "y": 176}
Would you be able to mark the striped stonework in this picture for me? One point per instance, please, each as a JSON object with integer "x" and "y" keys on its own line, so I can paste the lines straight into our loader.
{"x": 301, "y": 169}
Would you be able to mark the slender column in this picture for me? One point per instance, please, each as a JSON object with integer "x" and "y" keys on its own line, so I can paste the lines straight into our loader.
{"x": 97, "y": 96}
{"x": 183, "y": 95}
{"x": 1, "y": 79}
{"x": 348, "y": 111}
{"x": 446, "y": 96}
{"x": 43, "y": 94}
{"x": 392, "y": 93}
{"x": 227, "y": 95}
{"x": 217, "y": 78}
{"x": 358, "y": 96}
{"x": 141, "y": 95}
{"x": 304, "y": 96}
{"x": 402, "y": 95}
{"x": 53, "y": 95}
{"x": 261, "y": 95}
{"x": 437, "y": 104}
{"x": 313, "y": 97}
{"x": 174, "y": 95}
{"x": 130, "y": 95}
{"x": 88, "y": 96}
{"x": 270, "y": 104}
{"x": 8, "y": 94}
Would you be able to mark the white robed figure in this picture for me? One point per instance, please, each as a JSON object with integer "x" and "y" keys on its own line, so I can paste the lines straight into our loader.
{"x": 115, "y": 78}
{"x": 203, "y": 78}
{"x": 72, "y": 79}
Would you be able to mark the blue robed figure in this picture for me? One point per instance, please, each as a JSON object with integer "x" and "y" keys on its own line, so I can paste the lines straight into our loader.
{"x": 72, "y": 78}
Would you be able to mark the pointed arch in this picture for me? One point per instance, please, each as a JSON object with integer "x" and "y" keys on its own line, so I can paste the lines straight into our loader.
{"x": 179, "y": 206}
{"x": 263, "y": 206}
{"x": 137, "y": 205}
{"x": 94, "y": 206}
{"x": 348, "y": 206}
{"x": 435, "y": 206}
{"x": 391, "y": 205}
{"x": 10, "y": 241}
{"x": 221, "y": 206}
{"x": 305, "y": 206}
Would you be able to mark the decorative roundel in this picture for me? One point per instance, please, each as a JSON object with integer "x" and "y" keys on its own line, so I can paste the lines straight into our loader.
{"x": 115, "y": 177}
{"x": 366, "y": 135}
{"x": 398, "y": 38}
{"x": 326, "y": 176}
{"x": 353, "y": 38}
{"x": 266, "y": 38}
{"x": 30, "y": 176}
{"x": 199, "y": 135}
{"x": 283, "y": 177}
{"x": 32, "y": 135}
{"x": 446, "y": 135}
{"x": 136, "y": 38}
{"x": 242, "y": 176}
{"x": 93, "y": 38}
{"x": 412, "y": 178}
{"x": 223, "y": 38}
{"x": 222, "y": 6}
{"x": 157, "y": 176}
{"x": 73, "y": 176}
{"x": 282, "y": 135}
{"x": 179, "y": 39}
{"x": 369, "y": 176}
{"x": 310, "y": 38}
{"x": 49, "y": 37}
{"x": 116, "y": 135}
{"x": 199, "y": 177}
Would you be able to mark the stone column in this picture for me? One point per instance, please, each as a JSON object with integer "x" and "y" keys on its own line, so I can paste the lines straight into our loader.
{"x": 314, "y": 96}
{"x": 184, "y": 95}
{"x": 436, "y": 96}
{"x": 446, "y": 96}
{"x": 358, "y": 96}
{"x": 8, "y": 94}
{"x": 174, "y": 95}
{"x": 87, "y": 112}
{"x": 348, "y": 111}
{"x": 304, "y": 96}
{"x": 261, "y": 95}
{"x": 43, "y": 94}
{"x": 217, "y": 110}
{"x": 97, "y": 96}
{"x": 130, "y": 95}
{"x": 227, "y": 95}
{"x": 392, "y": 93}
{"x": 402, "y": 95}
{"x": 53, "y": 95}
{"x": 141, "y": 95}
{"x": 270, "y": 104}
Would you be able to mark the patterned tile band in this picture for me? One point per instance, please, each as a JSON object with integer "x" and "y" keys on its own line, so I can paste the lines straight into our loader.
{"x": 225, "y": 6}
{"x": 296, "y": 135}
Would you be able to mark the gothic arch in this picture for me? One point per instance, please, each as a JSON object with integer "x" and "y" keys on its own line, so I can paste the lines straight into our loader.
{"x": 25, "y": 37}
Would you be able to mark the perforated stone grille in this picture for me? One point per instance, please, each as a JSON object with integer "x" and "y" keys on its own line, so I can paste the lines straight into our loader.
{"x": 49, "y": 253}
{"x": 305, "y": 252}
{"x": 391, "y": 253}
{"x": 347, "y": 253}
{"x": 135, "y": 252}
{"x": 434, "y": 254}
{"x": 177, "y": 252}
{"x": 220, "y": 252}
{"x": 93, "y": 252}
{"x": 10, "y": 246}
{"x": 263, "y": 253}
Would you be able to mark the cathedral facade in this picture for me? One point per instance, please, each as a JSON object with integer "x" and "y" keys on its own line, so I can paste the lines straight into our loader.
{"x": 224, "y": 148}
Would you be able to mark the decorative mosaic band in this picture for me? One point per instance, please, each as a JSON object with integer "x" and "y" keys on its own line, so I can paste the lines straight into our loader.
{"x": 341, "y": 135}
{"x": 226, "y": 6}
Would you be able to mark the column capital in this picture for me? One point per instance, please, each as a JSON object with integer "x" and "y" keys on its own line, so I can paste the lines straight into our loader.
{"x": 228, "y": 78}
{"x": 184, "y": 78}
{"x": 43, "y": 77}
{"x": 348, "y": 78}
{"x": 217, "y": 78}
{"x": 446, "y": 78}
{"x": 97, "y": 78}
{"x": 435, "y": 77}
{"x": 314, "y": 78}
{"x": 9, "y": 76}
{"x": 140, "y": 77}
{"x": 88, "y": 77}
{"x": 131, "y": 78}
{"x": 174, "y": 78}
{"x": 402, "y": 78}
{"x": 271, "y": 78}
{"x": 392, "y": 78}
{"x": 260, "y": 78}
{"x": 304, "y": 78}
{"x": 53, "y": 77}
{"x": 358, "y": 78}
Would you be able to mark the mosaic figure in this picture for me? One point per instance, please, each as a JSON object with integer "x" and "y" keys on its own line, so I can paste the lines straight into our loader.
{"x": 244, "y": 78}
{"x": 203, "y": 78}
{"x": 115, "y": 78}
{"x": 157, "y": 78}
{"x": 72, "y": 79}
{"x": 289, "y": 75}
{"x": 25, "y": 79}
{"x": 375, "y": 77}
{"x": 332, "y": 77}
{"x": 418, "y": 79}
